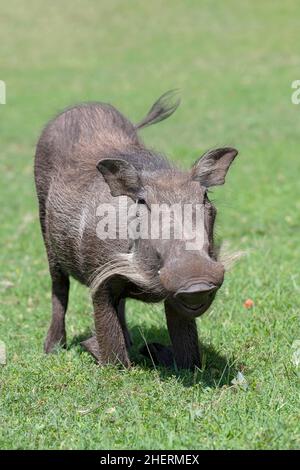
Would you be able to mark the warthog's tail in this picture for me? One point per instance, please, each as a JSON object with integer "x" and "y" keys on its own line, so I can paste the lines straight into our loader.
{"x": 162, "y": 109}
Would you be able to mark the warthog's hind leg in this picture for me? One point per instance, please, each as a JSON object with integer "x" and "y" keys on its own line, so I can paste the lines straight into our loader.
{"x": 159, "y": 354}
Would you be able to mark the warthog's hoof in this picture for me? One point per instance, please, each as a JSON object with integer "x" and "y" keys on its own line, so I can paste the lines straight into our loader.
{"x": 91, "y": 345}
{"x": 54, "y": 341}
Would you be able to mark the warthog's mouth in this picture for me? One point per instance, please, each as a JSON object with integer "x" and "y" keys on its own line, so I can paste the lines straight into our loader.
{"x": 195, "y": 309}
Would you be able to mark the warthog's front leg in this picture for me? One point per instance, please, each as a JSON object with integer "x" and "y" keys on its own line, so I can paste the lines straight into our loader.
{"x": 91, "y": 344}
{"x": 122, "y": 318}
{"x": 184, "y": 337}
{"x": 109, "y": 332}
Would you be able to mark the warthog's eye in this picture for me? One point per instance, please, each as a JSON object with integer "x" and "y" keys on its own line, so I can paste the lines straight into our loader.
{"x": 206, "y": 200}
{"x": 141, "y": 201}
{"x": 139, "y": 210}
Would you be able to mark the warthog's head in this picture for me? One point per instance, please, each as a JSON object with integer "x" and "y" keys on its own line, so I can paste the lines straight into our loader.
{"x": 175, "y": 224}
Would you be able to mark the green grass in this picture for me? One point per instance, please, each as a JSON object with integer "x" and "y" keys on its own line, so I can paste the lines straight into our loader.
{"x": 234, "y": 62}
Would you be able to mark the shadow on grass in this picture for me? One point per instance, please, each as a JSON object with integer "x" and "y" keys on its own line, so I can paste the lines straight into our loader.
{"x": 217, "y": 369}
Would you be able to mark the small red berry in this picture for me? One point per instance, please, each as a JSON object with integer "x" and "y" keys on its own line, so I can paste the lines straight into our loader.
{"x": 248, "y": 303}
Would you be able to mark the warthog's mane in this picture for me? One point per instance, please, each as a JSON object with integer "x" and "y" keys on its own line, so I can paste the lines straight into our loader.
{"x": 127, "y": 266}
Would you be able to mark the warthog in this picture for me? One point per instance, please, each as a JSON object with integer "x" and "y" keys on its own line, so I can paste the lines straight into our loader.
{"x": 91, "y": 155}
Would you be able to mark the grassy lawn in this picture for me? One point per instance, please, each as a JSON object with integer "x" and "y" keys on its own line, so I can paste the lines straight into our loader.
{"x": 234, "y": 63}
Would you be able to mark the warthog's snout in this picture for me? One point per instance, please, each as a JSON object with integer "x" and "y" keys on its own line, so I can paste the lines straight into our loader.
{"x": 192, "y": 281}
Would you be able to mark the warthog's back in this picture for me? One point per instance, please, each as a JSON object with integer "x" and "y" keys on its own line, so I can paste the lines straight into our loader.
{"x": 77, "y": 138}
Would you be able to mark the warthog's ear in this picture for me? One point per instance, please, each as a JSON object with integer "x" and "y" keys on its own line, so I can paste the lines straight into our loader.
{"x": 211, "y": 168}
{"x": 122, "y": 178}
